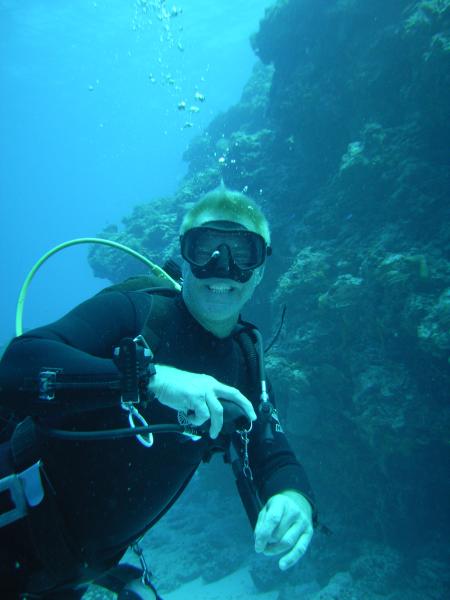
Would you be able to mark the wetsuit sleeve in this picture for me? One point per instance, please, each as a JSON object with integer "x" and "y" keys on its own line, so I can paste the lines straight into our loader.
{"x": 273, "y": 462}
{"x": 81, "y": 344}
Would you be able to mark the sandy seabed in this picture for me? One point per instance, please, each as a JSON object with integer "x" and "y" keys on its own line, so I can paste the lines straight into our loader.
{"x": 237, "y": 586}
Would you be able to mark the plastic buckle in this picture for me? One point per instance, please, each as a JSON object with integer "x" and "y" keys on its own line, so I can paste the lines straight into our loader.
{"x": 142, "y": 342}
{"x": 12, "y": 484}
{"x": 25, "y": 489}
{"x": 145, "y": 358}
{"x": 47, "y": 384}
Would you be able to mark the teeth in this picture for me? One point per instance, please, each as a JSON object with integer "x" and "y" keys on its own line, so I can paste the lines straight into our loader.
{"x": 219, "y": 289}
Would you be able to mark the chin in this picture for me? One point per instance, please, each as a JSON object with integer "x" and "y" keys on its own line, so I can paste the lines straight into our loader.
{"x": 217, "y": 299}
{"x": 220, "y": 302}
{"x": 219, "y": 311}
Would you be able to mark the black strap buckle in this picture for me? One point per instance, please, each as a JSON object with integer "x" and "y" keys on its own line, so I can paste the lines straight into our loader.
{"x": 133, "y": 359}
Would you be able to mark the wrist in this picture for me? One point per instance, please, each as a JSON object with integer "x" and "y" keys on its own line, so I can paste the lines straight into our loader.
{"x": 156, "y": 383}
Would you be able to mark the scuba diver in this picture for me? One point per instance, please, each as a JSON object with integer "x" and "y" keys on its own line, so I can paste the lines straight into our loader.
{"x": 109, "y": 411}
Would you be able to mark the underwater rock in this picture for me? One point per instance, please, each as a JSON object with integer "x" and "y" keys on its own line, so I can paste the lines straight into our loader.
{"x": 339, "y": 587}
{"x": 345, "y": 293}
{"x": 383, "y": 395}
{"x": 148, "y": 230}
{"x": 299, "y": 407}
{"x": 305, "y": 591}
{"x": 308, "y": 274}
{"x": 432, "y": 578}
{"x": 353, "y": 156}
{"x": 434, "y": 330}
{"x": 265, "y": 573}
{"x": 402, "y": 270}
{"x": 378, "y": 569}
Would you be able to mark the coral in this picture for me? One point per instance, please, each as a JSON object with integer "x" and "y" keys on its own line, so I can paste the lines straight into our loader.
{"x": 378, "y": 569}
{"x": 149, "y": 230}
{"x": 382, "y": 397}
{"x": 434, "y": 330}
{"x": 432, "y": 578}
{"x": 299, "y": 407}
{"x": 307, "y": 274}
{"x": 345, "y": 293}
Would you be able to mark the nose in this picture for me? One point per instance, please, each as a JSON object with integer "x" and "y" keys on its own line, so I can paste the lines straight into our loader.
{"x": 222, "y": 258}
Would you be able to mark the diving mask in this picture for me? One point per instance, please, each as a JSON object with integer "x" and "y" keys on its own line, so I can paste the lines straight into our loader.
{"x": 223, "y": 249}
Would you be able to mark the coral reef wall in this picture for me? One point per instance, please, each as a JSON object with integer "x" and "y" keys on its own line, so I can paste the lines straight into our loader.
{"x": 343, "y": 136}
{"x": 359, "y": 112}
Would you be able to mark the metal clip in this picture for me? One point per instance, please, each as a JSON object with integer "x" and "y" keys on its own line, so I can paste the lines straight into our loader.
{"x": 145, "y": 440}
{"x": 146, "y": 573}
{"x": 246, "y": 469}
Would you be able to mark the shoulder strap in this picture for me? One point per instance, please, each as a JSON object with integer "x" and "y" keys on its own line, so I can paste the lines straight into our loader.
{"x": 164, "y": 318}
{"x": 246, "y": 342}
{"x": 163, "y": 315}
{"x": 137, "y": 284}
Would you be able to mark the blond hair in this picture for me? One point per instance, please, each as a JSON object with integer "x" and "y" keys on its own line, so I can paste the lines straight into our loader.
{"x": 228, "y": 205}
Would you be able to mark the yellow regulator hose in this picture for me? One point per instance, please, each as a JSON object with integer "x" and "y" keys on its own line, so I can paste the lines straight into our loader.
{"x": 23, "y": 292}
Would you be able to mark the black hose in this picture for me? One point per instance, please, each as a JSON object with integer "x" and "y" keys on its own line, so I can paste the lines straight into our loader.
{"x": 280, "y": 326}
{"x": 63, "y": 434}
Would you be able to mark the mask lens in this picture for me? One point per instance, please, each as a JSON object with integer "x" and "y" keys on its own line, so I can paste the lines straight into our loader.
{"x": 246, "y": 250}
{"x": 197, "y": 246}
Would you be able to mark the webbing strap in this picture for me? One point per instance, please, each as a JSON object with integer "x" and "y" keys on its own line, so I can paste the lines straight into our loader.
{"x": 47, "y": 533}
{"x": 246, "y": 343}
{"x": 44, "y": 520}
{"x": 24, "y": 444}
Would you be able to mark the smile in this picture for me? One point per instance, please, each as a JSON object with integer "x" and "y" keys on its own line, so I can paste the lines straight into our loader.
{"x": 220, "y": 289}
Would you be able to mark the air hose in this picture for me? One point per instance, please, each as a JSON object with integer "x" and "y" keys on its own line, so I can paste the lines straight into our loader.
{"x": 234, "y": 419}
{"x": 111, "y": 434}
{"x": 88, "y": 240}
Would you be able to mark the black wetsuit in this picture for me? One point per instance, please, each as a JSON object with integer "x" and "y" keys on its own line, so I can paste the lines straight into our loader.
{"x": 110, "y": 492}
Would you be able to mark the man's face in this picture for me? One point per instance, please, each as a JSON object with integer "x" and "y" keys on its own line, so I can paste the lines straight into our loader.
{"x": 224, "y": 262}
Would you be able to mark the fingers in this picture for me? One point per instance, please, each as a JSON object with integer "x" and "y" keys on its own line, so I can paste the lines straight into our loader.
{"x": 288, "y": 539}
{"x": 269, "y": 519}
{"x": 198, "y": 413}
{"x": 230, "y": 393}
{"x": 283, "y": 528}
{"x": 208, "y": 407}
{"x": 198, "y": 396}
{"x": 215, "y": 412}
{"x": 295, "y": 554}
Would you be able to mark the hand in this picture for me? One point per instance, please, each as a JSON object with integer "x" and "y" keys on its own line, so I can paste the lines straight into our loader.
{"x": 196, "y": 395}
{"x": 284, "y": 526}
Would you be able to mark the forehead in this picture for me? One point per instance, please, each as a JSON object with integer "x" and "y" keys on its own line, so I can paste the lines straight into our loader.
{"x": 210, "y": 215}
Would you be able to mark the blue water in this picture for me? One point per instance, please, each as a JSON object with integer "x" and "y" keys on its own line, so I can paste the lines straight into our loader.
{"x": 89, "y": 124}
